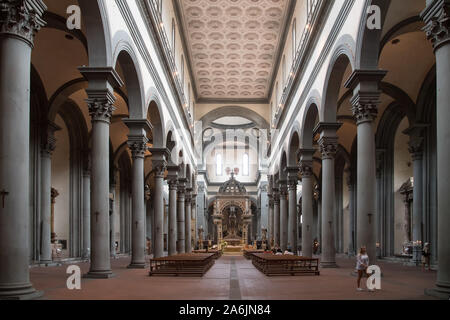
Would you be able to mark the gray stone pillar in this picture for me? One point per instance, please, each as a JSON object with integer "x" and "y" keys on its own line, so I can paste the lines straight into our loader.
{"x": 100, "y": 103}
{"x": 271, "y": 220}
{"x": 292, "y": 220}
{"x": 416, "y": 150}
{"x": 46, "y": 198}
{"x": 181, "y": 216}
{"x": 86, "y": 215}
{"x": 436, "y": 17}
{"x": 187, "y": 221}
{"x": 328, "y": 146}
{"x": 173, "y": 185}
{"x": 19, "y": 21}
{"x": 351, "y": 214}
{"x": 283, "y": 215}
{"x": 306, "y": 169}
{"x": 276, "y": 218}
{"x": 365, "y": 101}
{"x": 112, "y": 239}
{"x": 137, "y": 142}
{"x": 159, "y": 157}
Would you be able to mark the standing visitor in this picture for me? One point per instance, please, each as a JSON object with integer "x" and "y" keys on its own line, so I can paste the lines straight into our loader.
{"x": 362, "y": 263}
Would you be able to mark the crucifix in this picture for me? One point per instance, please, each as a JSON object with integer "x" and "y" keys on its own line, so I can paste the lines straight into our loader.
{"x": 137, "y": 222}
{"x": 96, "y": 216}
{"x": 3, "y": 193}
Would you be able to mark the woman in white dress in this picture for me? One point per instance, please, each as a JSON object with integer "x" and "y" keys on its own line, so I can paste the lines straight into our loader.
{"x": 362, "y": 263}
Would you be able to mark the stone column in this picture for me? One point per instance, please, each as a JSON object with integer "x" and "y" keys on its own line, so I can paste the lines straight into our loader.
{"x": 283, "y": 215}
{"x": 292, "y": 221}
{"x": 271, "y": 220}
{"x": 100, "y": 92}
{"x": 351, "y": 213}
{"x": 112, "y": 238}
{"x": 159, "y": 157}
{"x": 328, "y": 146}
{"x": 137, "y": 142}
{"x": 416, "y": 150}
{"x": 306, "y": 169}
{"x": 187, "y": 221}
{"x": 365, "y": 101}
{"x": 173, "y": 185}
{"x": 46, "y": 188}
{"x": 181, "y": 245}
{"x": 193, "y": 221}
{"x": 19, "y": 21}
{"x": 86, "y": 214}
{"x": 276, "y": 218}
{"x": 436, "y": 17}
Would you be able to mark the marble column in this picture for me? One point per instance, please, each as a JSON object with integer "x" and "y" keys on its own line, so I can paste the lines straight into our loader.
{"x": 46, "y": 197}
{"x": 137, "y": 142}
{"x": 187, "y": 221}
{"x": 18, "y": 25}
{"x": 159, "y": 157}
{"x": 86, "y": 214}
{"x": 283, "y": 215}
{"x": 292, "y": 208}
{"x": 436, "y": 17}
{"x": 181, "y": 245}
{"x": 365, "y": 101}
{"x": 328, "y": 146}
{"x": 276, "y": 218}
{"x": 306, "y": 169}
{"x": 194, "y": 221}
{"x": 173, "y": 186}
{"x": 100, "y": 92}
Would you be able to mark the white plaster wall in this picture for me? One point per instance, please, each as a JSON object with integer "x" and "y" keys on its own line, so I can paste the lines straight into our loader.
{"x": 60, "y": 181}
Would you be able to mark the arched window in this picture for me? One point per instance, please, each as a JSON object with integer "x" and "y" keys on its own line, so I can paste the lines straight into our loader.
{"x": 173, "y": 36}
{"x": 218, "y": 164}
{"x": 294, "y": 39}
{"x": 245, "y": 165}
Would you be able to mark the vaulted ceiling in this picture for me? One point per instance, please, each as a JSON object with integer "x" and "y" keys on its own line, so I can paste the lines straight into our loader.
{"x": 233, "y": 45}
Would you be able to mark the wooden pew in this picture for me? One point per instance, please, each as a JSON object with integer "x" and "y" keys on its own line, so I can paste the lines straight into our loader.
{"x": 248, "y": 253}
{"x": 217, "y": 253}
{"x": 273, "y": 265}
{"x": 193, "y": 265}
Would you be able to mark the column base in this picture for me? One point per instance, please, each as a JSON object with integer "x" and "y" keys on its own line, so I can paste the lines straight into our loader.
{"x": 99, "y": 275}
{"x": 49, "y": 263}
{"x": 328, "y": 265}
{"x": 137, "y": 265}
{"x": 21, "y": 292}
{"x": 442, "y": 293}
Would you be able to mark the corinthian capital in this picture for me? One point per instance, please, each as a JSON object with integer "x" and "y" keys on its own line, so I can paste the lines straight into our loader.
{"x": 138, "y": 146}
{"x": 328, "y": 147}
{"x": 22, "y": 18}
{"x": 101, "y": 105}
{"x": 365, "y": 106}
{"x": 437, "y": 19}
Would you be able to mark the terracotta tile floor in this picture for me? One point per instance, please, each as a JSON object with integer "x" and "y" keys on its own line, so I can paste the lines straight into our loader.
{"x": 234, "y": 278}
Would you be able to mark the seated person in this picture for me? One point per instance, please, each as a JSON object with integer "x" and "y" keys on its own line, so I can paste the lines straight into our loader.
{"x": 279, "y": 252}
{"x": 289, "y": 252}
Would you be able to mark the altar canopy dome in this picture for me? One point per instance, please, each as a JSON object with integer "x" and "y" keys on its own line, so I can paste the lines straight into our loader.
{"x": 232, "y": 187}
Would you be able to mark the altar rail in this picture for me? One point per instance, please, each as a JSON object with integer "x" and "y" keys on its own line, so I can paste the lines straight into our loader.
{"x": 277, "y": 265}
{"x": 193, "y": 265}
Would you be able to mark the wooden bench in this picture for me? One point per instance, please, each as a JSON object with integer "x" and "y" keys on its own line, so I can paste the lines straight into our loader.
{"x": 273, "y": 265}
{"x": 248, "y": 253}
{"x": 217, "y": 253}
{"x": 193, "y": 265}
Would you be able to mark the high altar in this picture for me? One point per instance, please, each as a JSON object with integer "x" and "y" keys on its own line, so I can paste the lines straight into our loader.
{"x": 232, "y": 215}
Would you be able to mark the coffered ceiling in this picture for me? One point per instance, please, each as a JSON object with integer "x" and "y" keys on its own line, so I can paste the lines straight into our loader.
{"x": 233, "y": 45}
